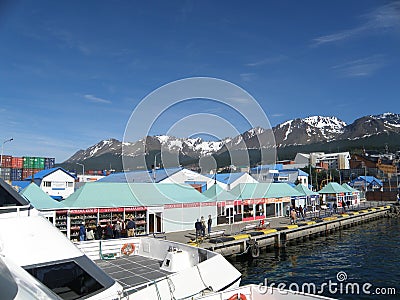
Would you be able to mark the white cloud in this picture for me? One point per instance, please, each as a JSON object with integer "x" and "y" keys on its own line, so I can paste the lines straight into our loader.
{"x": 70, "y": 40}
{"x": 96, "y": 99}
{"x": 248, "y": 76}
{"x": 277, "y": 115}
{"x": 266, "y": 61}
{"x": 383, "y": 18}
{"x": 361, "y": 67}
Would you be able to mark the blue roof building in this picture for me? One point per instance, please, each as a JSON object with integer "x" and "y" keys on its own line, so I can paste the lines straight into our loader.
{"x": 58, "y": 183}
{"x": 145, "y": 176}
{"x": 229, "y": 180}
{"x": 368, "y": 183}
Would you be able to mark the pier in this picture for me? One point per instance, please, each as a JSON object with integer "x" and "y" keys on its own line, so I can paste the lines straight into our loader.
{"x": 250, "y": 240}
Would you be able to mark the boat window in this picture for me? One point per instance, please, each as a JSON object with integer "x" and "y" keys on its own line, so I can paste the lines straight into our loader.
{"x": 68, "y": 280}
{"x": 167, "y": 261}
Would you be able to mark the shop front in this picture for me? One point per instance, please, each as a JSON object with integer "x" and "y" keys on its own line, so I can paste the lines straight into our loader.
{"x": 68, "y": 221}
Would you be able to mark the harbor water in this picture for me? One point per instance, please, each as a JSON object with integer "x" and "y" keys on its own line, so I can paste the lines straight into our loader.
{"x": 362, "y": 262}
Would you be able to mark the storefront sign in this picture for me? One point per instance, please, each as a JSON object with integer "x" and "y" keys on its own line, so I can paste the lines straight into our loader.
{"x": 83, "y": 211}
{"x": 135, "y": 208}
{"x": 194, "y": 204}
{"x": 168, "y": 206}
{"x": 112, "y": 209}
{"x": 207, "y": 204}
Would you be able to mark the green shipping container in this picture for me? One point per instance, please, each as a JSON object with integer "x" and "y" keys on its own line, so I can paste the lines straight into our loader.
{"x": 38, "y": 163}
{"x": 28, "y": 162}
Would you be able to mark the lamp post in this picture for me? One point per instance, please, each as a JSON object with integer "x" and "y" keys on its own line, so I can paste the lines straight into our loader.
{"x": 155, "y": 164}
{"x": 1, "y": 157}
{"x": 83, "y": 170}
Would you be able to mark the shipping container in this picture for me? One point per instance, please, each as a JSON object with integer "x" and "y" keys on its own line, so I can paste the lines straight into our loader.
{"x": 27, "y": 172}
{"x": 38, "y": 163}
{"x": 6, "y": 161}
{"x": 5, "y": 173}
{"x": 49, "y": 163}
{"x": 28, "y": 162}
{"x": 16, "y": 174}
{"x": 90, "y": 172}
{"x": 17, "y": 163}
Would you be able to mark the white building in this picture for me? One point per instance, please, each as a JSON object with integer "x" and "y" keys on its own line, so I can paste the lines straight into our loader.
{"x": 55, "y": 182}
{"x": 340, "y": 160}
{"x": 228, "y": 181}
{"x": 185, "y": 176}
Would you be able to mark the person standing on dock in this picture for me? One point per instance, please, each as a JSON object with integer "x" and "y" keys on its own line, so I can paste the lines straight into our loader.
{"x": 209, "y": 223}
{"x": 82, "y": 232}
{"x": 293, "y": 216}
{"x": 203, "y": 227}
{"x": 89, "y": 234}
{"x": 130, "y": 227}
{"x": 197, "y": 226}
{"x": 301, "y": 212}
{"x": 99, "y": 232}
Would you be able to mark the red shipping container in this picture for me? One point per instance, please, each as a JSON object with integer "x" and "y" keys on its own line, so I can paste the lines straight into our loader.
{"x": 17, "y": 163}
{"x": 6, "y": 161}
{"x": 27, "y": 172}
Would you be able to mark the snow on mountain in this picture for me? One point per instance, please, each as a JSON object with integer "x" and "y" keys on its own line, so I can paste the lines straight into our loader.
{"x": 390, "y": 119}
{"x": 308, "y": 130}
{"x": 189, "y": 146}
{"x": 314, "y": 129}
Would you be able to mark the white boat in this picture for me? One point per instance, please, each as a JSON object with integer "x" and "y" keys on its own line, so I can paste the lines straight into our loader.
{"x": 37, "y": 261}
{"x": 150, "y": 269}
{"x": 257, "y": 292}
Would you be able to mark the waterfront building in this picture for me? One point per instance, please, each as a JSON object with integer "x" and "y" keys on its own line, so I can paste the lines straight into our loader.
{"x": 168, "y": 175}
{"x": 229, "y": 205}
{"x": 56, "y": 182}
{"x": 140, "y": 176}
{"x": 228, "y": 181}
{"x": 353, "y": 195}
{"x": 260, "y": 200}
{"x": 184, "y": 176}
{"x": 340, "y": 160}
{"x": 155, "y": 207}
{"x": 333, "y": 193}
{"x": 366, "y": 183}
{"x": 280, "y": 173}
{"x": 310, "y": 199}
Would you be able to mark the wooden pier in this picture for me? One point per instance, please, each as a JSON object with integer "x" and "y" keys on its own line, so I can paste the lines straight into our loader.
{"x": 281, "y": 236}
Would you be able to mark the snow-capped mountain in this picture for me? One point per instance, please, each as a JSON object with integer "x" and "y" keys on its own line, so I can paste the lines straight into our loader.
{"x": 314, "y": 129}
{"x": 309, "y": 130}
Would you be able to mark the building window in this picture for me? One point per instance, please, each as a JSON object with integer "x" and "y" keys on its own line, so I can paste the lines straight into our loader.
{"x": 46, "y": 183}
{"x": 70, "y": 184}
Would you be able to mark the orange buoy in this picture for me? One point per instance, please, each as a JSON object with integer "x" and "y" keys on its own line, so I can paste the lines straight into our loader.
{"x": 128, "y": 249}
{"x": 238, "y": 296}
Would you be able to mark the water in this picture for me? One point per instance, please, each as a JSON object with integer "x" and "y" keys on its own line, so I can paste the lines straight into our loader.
{"x": 368, "y": 253}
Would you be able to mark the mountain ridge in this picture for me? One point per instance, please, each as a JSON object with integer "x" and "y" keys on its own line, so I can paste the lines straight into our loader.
{"x": 295, "y": 132}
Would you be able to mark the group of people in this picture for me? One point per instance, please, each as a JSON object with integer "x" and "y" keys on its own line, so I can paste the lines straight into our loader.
{"x": 200, "y": 226}
{"x": 295, "y": 213}
{"x": 118, "y": 229}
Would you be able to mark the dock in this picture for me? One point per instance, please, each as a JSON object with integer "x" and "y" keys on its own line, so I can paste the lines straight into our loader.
{"x": 279, "y": 234}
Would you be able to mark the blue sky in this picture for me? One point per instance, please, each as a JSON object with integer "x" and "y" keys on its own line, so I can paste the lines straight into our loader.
{"x": 72, "y": 72}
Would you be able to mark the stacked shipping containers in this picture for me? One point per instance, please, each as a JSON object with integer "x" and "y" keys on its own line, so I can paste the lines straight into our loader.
{"x": 19, "y": 168}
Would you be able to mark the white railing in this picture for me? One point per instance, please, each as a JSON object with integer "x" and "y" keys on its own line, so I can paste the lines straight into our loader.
{"x": 14, "y": 211}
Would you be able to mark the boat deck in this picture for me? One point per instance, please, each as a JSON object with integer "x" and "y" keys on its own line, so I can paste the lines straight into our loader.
{"x": 131, "y": 271}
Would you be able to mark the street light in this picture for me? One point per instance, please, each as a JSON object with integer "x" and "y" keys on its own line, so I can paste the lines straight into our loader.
{"x": 83, "y": 170}
{"x": 1, "y": 157}
{"x": 155, "y": 164}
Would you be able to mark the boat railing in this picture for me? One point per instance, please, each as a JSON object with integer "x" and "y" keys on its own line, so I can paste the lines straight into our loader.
{"x": 14, "y": 211}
